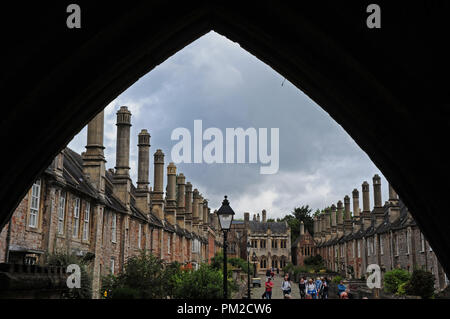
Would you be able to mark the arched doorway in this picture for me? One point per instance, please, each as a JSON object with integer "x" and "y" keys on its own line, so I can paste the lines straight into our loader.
{"x": 362, "y": 79}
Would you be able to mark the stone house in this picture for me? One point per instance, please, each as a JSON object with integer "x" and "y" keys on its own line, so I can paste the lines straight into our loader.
{"x": 385, "y": 235}
{"x": 78, "y": 206}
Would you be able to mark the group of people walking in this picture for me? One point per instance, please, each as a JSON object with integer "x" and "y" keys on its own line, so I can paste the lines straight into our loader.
{"x": 285, "y": 285}
{"x": 310, "y": 289}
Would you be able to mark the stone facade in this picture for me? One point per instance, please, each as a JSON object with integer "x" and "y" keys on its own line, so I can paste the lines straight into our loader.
{"x": 387, "y": 236}
{"x": 78, "y": 206}
{"x": 270, "y": 242}
{"x": 303, "y": 247}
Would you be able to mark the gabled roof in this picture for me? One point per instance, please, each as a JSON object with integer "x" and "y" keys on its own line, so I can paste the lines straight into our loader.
{"x": 275, "y": 227}
{"x": 74, "y": 176}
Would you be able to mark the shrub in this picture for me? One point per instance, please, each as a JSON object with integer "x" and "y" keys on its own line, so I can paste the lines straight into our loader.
{"x": 63, "y": 259}
{"x": 144, "y": 274}
{"x": 205, "y": 283}
{"x": 337, "y": 279}
{"x": 316, "y": 260}
{"x": 402, "y": 289}
{"x": 421, "y": 284}
{"x": 288, "y": 268}
{"x": 241, "y": 264}
{"x": 394, "y": 278}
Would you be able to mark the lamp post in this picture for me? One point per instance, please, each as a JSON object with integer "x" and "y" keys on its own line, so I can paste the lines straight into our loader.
{"x": 225, "y": 215}
{"x": 254, "y": 259}
{"x": 248, "y": 269}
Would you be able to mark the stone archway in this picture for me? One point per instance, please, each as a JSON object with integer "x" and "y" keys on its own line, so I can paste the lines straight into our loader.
{"x": 383, "y": 86}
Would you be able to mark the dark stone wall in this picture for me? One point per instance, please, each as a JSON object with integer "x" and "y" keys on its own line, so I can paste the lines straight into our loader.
{"x": 384, "y": 86}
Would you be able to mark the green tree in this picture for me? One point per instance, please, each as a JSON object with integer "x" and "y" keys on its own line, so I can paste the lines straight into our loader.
{"x": 299, "y": 214}
{"x": 144, "y": 276}
{"x": 63, "y": 259}
{"x": 394, "y": 278}
{"x": 204, "y": 283}
{"x": 421, "y": 284}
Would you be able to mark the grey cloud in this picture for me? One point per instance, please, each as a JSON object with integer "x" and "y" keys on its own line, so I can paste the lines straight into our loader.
{"x": 214, "y": 80}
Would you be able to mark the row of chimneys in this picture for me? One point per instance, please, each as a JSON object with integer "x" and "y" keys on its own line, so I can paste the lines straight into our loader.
{"x": 187, "y": 208}
{"x": 256, "y": 217}
{"x": 337, "y": 220}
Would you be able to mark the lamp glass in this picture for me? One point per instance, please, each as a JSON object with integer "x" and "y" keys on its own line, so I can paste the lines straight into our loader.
{"x": 225, "y": 221}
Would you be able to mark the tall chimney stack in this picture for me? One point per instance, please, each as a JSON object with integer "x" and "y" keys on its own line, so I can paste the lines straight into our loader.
{"x": 327, "y": 224}
{"x": 355, "y": 195}
{"x": 378, "y": 207}
{"x": 94, "y": 159}
{"x": 200, "y": 209}
{"x": 158, "y": 192}
{"x": 188, "y": 207}
{"x": 257, "y": 218}
{"x": 367, "y": 220}
{"x": 171, "y": 200}
{"x": 393, "y": 197}
{"x": 143, "y": 160}
{"x": 264, "y": 215}
{"x": 377, "y": 191}
{"x": 340, "y": 219}
{"x": 302, "y": 228}
{"x": 195, "y": 216}
{"x": 122, "y": 181}
{"x": 205, "y": 215}
{"x": 348, "y": 225}
{"x": 123, "y": 142}
{"x": 142, "y": 192}
{"x": 181, "y": 200}
{"x": 333, "y": 221}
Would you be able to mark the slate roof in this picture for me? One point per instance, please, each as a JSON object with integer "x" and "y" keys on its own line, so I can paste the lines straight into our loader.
{"x": 275, "y": 227}
{"x": 76, "y": 180}
{"x": 403, "y": 221}
{"x": 73, "y": 174}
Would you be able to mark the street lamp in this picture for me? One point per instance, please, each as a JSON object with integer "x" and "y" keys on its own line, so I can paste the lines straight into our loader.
{"x": 248, "y": 268}
{"x": 254, "y": 259}
{"x": 225, "y": 215}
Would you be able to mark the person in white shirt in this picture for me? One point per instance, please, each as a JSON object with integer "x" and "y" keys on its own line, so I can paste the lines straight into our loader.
{"x": 311, "y": 289}
{"x": 286, "y": 286}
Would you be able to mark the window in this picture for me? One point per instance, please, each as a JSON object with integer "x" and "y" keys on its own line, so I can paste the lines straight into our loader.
{"x": 422, "y": 243}
{"x": 112, "y": 264}
{"x": 76, "y": 217}
{"x": 61, "y": 212}
{"x": 353, "y": 249}
{"x": 381, "y": 245}
{"x": 359, "y": 249}
{"x": 368, "y": 246}
{"x": 168, "y": 243}
{"x": 34, "y": 205}
{"x": 263, "y": 263}
{"x": 274, "y": 243}
{"x": 396, "y": 245}
{"x": 375, "y": 239}
{"x": 139, "y": 235}
{"x": 86, "y": 221}
{"x": 408, "y": 244}
{"x": 262, "y": 243}
{"x": 113, "y": 227}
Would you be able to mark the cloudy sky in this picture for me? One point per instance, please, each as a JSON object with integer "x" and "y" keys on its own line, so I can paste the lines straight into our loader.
{"x": 216, "y": 81}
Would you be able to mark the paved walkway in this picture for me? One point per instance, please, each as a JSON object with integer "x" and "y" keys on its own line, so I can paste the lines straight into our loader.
{"x": 277, "y": 293}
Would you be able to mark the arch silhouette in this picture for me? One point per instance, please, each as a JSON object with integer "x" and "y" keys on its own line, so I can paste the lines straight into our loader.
{"x": 384, "y": 86}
